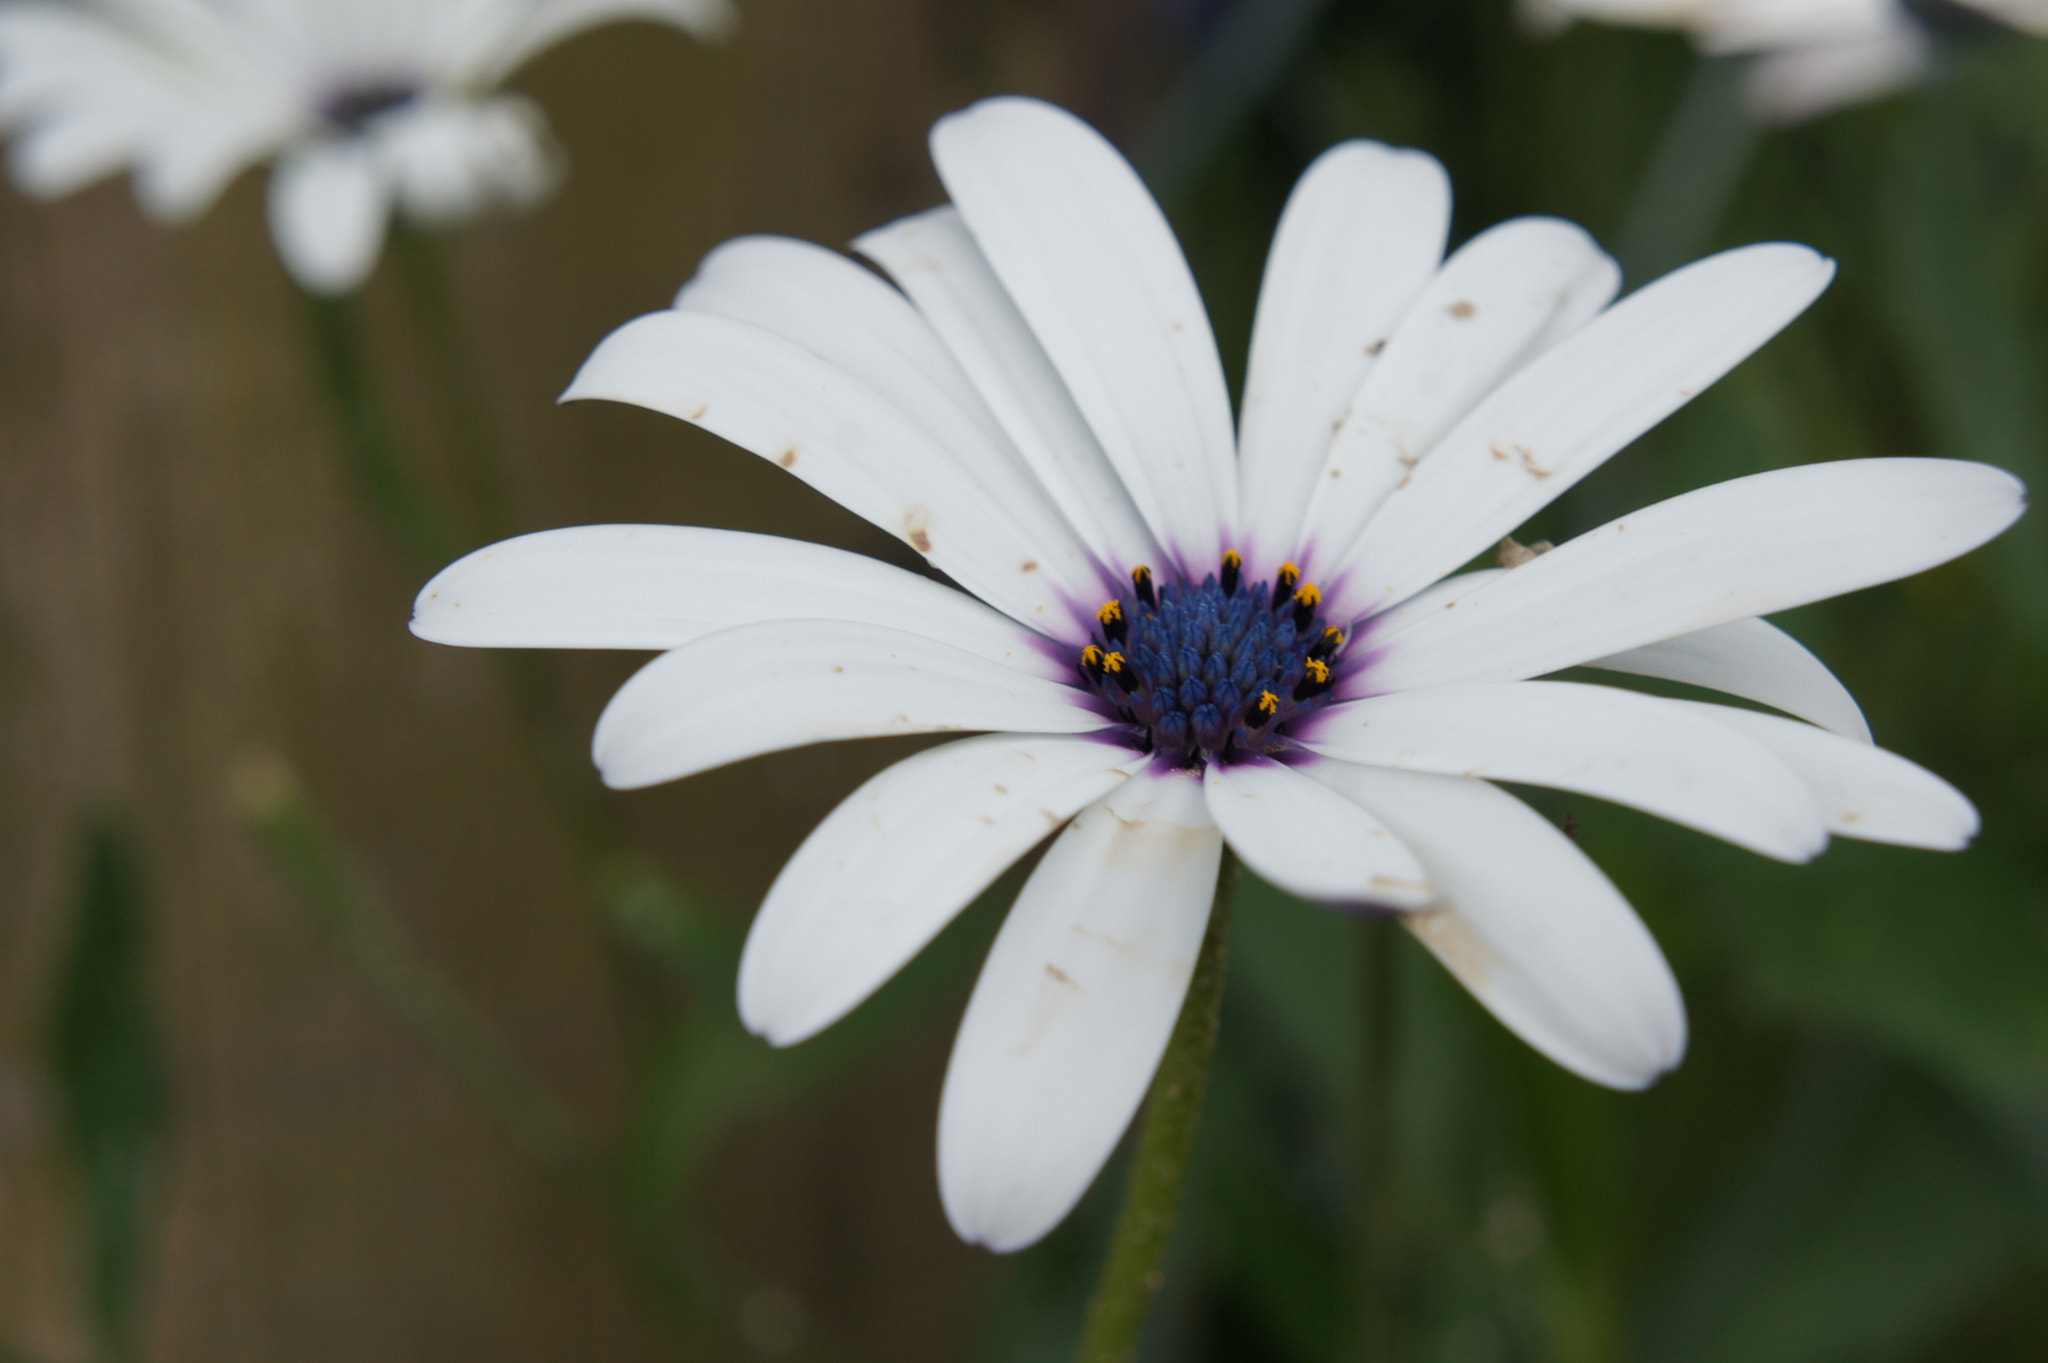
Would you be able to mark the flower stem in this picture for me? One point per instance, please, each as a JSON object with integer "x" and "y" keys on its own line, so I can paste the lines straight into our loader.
{"x": 376, "y": 463}
{"x": 1137, "y": 1255}
{"x": 1378, "y": 1337}
{"x": 1693, "y": 175}
{"x": 437, "y": 319}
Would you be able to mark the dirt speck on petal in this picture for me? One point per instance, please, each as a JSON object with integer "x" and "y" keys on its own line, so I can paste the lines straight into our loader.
{"x": 917, "y": 527}
{"x": 1463, "y": 310}
{"x": 1451, "y": 940}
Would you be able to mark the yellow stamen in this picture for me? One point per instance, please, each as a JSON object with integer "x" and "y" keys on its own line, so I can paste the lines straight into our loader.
{"x": 1333, "y": 638}
{"x": 1111, "y": 612}
{"x": 1318, "y": 670}
{"x": 1233, "y": 560}
{"x": 1268, "y": 703}
{"x": 1308, "y": 594}
{"x": 1091, "y": 656}
{"x": 1115, "y": 663}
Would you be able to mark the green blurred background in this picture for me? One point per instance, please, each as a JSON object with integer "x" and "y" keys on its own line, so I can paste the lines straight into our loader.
{"x": 343, "y": 1015}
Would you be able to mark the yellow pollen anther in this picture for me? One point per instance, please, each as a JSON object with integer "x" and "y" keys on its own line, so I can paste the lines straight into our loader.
{"x": 1333, "y": 637}
{"x": 1091, "y": 656}
{"x": 1115, "y": 663}
{"x": 1232, "y": 559}
{"x": 1308, "y": 594}
{"x": 1289, "y": 574}
{"x": 1111, "y": 612}
{"x": 1268, "y": 703}
{"x": 1318, "y": 670}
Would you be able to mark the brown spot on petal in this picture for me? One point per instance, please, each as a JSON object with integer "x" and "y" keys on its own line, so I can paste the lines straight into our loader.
{"x": 917, "y": 528}
{"x": 1451, "y": 940}
{"x": 1463, "y": 310}
{"x": 702, "y": 408}
{"x": 787, "y": 458}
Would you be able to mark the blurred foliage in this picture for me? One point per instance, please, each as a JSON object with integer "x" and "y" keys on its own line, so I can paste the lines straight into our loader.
{"x": 105, "y": 1058}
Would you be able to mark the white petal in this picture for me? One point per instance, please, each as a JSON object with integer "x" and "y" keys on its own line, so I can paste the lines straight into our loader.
{"x": 1753, "y": 659}
{"x": 1563, "y": 415}
{"x": 1530, "y": 925}
{"x": 1750, "y": 546}
{"x": 1361, "y": 234}
{"x": 851, "y": 319}
{"x": 662, "y": 586}
{"x": 933, "y": 258}
{"x": 1797, "y": 84}
{"x": 1074, "y": 1008}
{"x": 1505, "y": 294}
{"x": 761, "y": 688}
{"x": 897, "y": 860}
{"x": 1299, "y": 836}
{"x": 772, "y": 396}
{"x": 327, "y": 210}
{"x": 1862, "y": 790}
{"x": 189, "y": 170}
{"x": 1643, "y": 751}
{"x": 452, "y": 157}
{"x": 1090, "y": 261}
{"x": 489, "y": 54}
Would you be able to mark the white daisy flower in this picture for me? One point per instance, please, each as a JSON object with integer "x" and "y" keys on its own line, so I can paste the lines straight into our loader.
{"x": 1812, "y": 56}
{"x": 366, "y": 106}
{"x": 1178, "y": 635}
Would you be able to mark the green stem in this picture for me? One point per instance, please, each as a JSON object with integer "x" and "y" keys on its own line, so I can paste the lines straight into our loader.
{"x": 423, "y": 273}
{"x": 376, "y": 465}
{"x": 1137, "y": 1255}
{"x": 1379, "y": 1340}
{"x": 1692, "y": 176}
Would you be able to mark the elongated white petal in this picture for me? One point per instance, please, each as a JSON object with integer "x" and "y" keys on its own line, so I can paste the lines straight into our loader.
{"x": 1802, "y": 82}
{"x": 1361, "y": 234}
{"x": 1530, "y": 925}
{"x": 849, "y": 318}
{"x": 761, "y": 688}
{"x": 1563, "y": 415}
{"x": 1309, "y": 842}
{"x": 662, "y": 586}
{"x": 327, "y": 209}
{"x": 1643, "y": 751}
{"x": 1073, "y": 1009}
{"x": 1091, "y": 263}
{"x": 933, "y": 258}
{"x": 490, "y": 52}
{"x": 1750, "y": 546}
{"x": 1862, "y": 790}
{"x": 768, "y": 394}
{"x": 1505, "y": 293}
{"x": 897, "y": 860}
{"x": 1753, "y": 659}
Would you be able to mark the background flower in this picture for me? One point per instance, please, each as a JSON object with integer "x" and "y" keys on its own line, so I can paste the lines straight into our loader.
{"x": 1811, "y": 55}
{"x": 368, "y": 106}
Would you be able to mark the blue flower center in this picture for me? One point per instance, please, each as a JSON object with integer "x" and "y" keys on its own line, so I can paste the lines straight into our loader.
{"x": 1215, "y": 672}
{"x": 353, "y": 106}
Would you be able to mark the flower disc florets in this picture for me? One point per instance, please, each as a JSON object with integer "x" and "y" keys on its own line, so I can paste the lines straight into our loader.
{"x": 1213, "y": 672}
{"x": 351, "y": 108}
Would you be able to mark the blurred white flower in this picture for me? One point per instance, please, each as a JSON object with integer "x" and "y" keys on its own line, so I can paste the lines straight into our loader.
{"x": 366, "y": 106}
{"x": 1187, "y": 635}
{"x": 1811, "y": 56}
